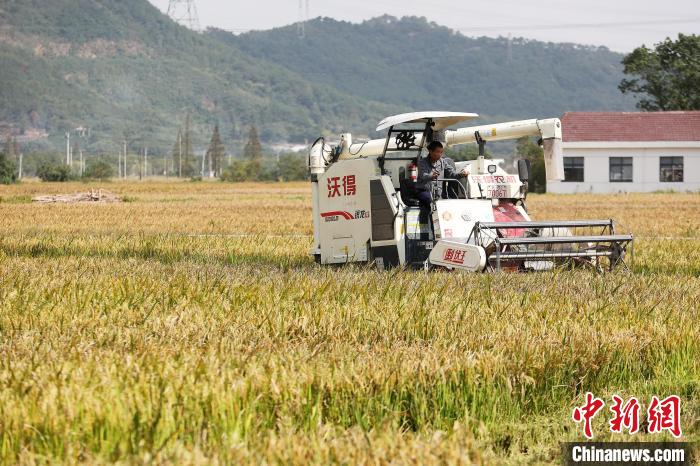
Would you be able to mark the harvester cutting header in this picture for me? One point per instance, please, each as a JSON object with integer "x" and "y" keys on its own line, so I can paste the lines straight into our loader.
{"x": 373, "y": 203}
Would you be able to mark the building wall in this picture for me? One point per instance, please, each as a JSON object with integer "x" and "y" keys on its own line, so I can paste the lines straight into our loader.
{"x": 645, "y": 168}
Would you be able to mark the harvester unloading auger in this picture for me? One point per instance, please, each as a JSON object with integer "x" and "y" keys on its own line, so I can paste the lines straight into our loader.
{"x": 365, "y": 205}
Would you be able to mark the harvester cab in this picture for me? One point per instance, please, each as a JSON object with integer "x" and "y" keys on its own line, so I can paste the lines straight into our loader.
{"x": 366, "y": 206}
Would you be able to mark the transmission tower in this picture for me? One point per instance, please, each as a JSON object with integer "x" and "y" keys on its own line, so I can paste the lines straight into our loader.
{"x": 303, "y": 18}
{"x": 184, "y": 12}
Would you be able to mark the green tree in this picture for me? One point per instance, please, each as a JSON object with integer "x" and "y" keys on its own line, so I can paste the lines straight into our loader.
{"x": 253, "y": 154}
{"x": 8, "y": 169}
{"x": 216, "y": 153}
{"x": 99, "y": 170}
{"x": 292, "y": 167}
{"x": 526, "y": 148}
{"x": 239, "y": 170}
{"x": 11, "y": 148}
{"x": 255, "y": 169}
{"x": 50, "y": 171}
{"x": 666, "y": 77}
{"x": 253, "y": 149}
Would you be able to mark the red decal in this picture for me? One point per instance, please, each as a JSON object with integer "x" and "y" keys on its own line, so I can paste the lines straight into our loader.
{"x": 349, "y": 187}
{"x": 665, "y": 415}
{"x": 334, "y": 186}
{"x": 454, "y": 255}
{"x": 626, "y": 415}
{"x": 339, "y": 213}
{"x": 586, "y": 413}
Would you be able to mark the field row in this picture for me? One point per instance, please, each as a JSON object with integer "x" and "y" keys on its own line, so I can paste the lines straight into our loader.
{"x": 258, "y": 208}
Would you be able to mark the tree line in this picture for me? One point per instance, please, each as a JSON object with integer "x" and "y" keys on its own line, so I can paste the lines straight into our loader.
{"x": 216, "y": 162}
{"x": 253, "y": 166}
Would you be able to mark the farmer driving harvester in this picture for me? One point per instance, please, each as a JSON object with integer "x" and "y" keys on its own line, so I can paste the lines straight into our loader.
{"x": 367, "y": 200}
{"x": 432, "y": 168}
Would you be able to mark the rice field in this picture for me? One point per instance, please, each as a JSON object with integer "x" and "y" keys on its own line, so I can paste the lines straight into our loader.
{"x": 189, "y": 325}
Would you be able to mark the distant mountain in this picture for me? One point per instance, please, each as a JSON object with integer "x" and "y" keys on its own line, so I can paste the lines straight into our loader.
{"x": 128, "y": 72}
{"x": 422, "y": 65}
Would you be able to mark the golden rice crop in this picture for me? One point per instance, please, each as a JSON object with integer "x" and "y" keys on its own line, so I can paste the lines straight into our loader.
{"x": 189, "y": 325}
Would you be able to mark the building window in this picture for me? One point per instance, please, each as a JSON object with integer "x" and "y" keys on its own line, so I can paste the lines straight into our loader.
{"x": 621, "y": 169}
{"x": 671, "y": 169}
{"x": 573, "y": 168}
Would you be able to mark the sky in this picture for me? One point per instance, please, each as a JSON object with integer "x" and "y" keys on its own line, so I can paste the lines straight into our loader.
{"x": 621, "y": 25}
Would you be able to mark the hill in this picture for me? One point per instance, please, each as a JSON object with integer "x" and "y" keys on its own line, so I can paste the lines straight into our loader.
{"x": 129, "y": 72}
{"x": 421, "y": 65}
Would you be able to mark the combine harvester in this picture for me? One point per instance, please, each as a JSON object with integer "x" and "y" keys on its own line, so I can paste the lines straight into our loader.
{"x": 365, "y": 206}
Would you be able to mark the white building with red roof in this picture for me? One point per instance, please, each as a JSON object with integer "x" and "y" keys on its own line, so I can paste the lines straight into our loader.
{"x": 609, "y": 152}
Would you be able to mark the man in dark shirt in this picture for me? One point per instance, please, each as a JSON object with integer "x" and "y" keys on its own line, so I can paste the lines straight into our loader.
{"x": 432, "y": 168}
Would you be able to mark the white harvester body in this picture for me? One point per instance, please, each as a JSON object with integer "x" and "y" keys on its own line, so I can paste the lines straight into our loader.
{"x": 365, "y": 207}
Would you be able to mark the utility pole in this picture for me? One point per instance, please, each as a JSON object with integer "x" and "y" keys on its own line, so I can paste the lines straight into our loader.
{"x": 19, "y": 175}
{"x": 209, "y": 167}
{"x": 125, "y": 158}
{"x": 145, "y": 161}
{"x": 81, "y": 132}
{"x": 179, "y": 152}
{"x": 67, "y": 147}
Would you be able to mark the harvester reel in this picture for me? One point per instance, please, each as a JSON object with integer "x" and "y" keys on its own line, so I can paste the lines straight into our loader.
{"x": 405, "y": 140}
